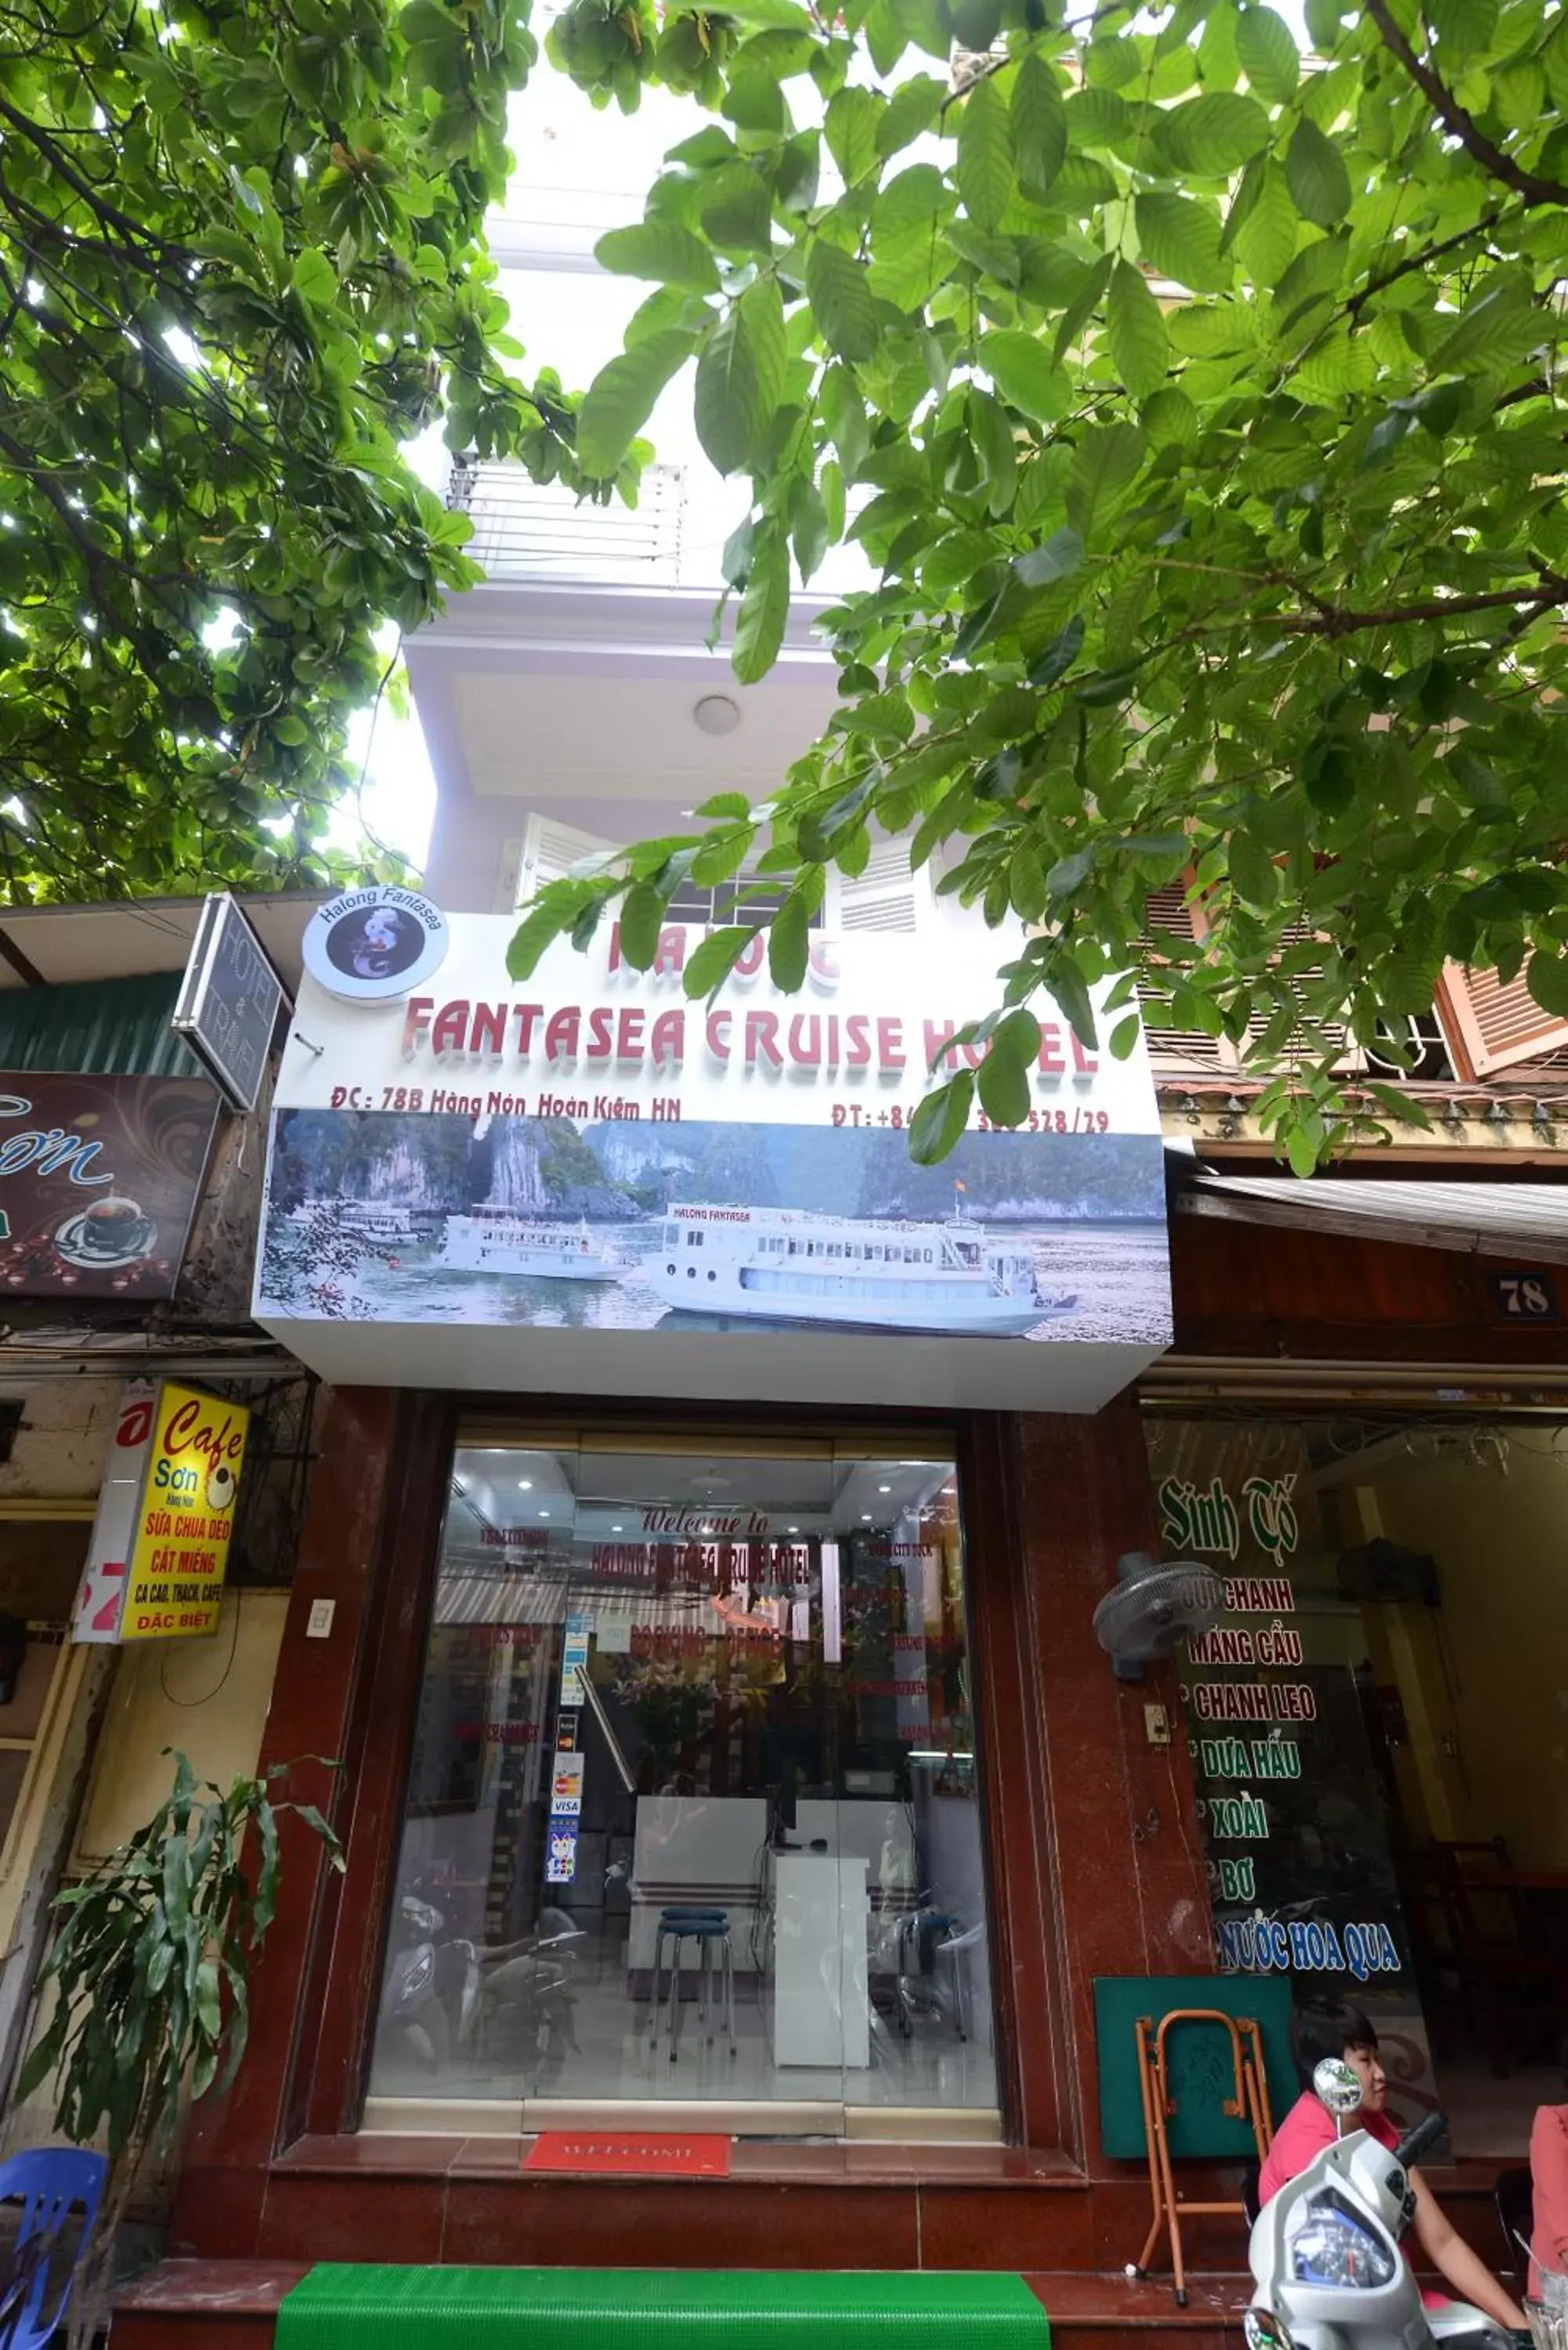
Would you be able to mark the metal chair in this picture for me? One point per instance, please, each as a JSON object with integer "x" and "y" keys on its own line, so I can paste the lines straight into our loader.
{"x": 710, "y": 1930}
{"x": 1514, "y": 2196}
{"x": 47, "y": 2181}
{"x": 955, "y": 1949}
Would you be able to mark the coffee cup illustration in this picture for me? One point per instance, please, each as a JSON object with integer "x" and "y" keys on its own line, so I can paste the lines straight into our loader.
{"x": 112, "y": 1226}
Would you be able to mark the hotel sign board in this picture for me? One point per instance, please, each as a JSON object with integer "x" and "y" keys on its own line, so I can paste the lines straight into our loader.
{"x": 586, "y": 1182}
{"x": 229, "y": 1002}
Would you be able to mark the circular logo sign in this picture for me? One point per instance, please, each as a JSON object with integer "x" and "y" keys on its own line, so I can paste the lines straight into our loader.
{"x": 373, "y": 945}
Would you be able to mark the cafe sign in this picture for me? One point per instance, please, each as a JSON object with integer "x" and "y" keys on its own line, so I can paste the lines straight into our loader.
{"x": 100, "y": 1178}
{"x": 159, "y": 1544}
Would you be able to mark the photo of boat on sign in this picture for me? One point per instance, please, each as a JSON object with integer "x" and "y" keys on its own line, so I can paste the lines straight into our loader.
{"x": 390, "y": 1216}
{"x": 784, "y": 1265}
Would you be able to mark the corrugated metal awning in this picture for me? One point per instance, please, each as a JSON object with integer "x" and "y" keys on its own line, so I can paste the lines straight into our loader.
{"x": 116, "y": 1027}
{"x": 1529, "y": 1221}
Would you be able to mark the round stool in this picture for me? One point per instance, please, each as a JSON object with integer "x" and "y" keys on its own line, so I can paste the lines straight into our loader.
{"x": 710, "y": 1930}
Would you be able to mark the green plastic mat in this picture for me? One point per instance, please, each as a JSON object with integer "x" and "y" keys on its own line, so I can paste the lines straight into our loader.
{"x": 375, "y": 2308}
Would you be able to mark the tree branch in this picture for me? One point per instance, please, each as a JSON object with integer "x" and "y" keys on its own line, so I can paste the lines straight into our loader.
{"x": 1418, "y": 260}
{"x": 1447, "y": 106}
{"x": 140, "y": 236}
{"x": 1334, "y": 622}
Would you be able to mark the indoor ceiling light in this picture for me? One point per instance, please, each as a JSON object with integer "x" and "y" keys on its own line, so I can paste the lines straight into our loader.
{"x": 865, "y": 1517}
{"x": 716, "y": 714}
{"x": 544, "y": 1513}
{"x": 884, "y": 1489}
{"x": 524, "y": 1484}
{"x": 617, "y": 1529}
{"x": 794, "y": 1529}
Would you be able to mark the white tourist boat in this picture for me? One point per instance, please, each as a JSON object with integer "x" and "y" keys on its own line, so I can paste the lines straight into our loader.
{"x": 784, "y": 1266}
{"x": 500, "y": 1240}
{"x": 366, "y": 1223}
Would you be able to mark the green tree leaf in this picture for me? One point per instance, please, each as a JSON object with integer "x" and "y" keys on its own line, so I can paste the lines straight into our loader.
{"x": 1003, "y": 1085}
{"x": 709, "y": 965}
{"x": 1546, "y": 977}
{"x": 941, "y": 1119}
{"x": 739, "y": 377}
{"x": 1269, "y": 57}
{"x": 789, "y": 942}
{"x": 1039, "y": 125}
{"x": 736, "y": 211}
{"x": 1215, "y": 134}
{"x": 841, "y": 300}
{"x": 1024, "y": 372}
{"x": 985, "y": 171}
{"x": 660, "y": 249}
{"x": 1316, "y": 176}
{"x": 912, "y": 109}
{"x": 1134, "y": 329}
{"x": 641, "y": 917}
{"x": 1108, "y": 459}
{"x": 1182, "y": 240}
{"x": 764, "y": 607}
{"x": 1061, "y": 557}
{"x": 850, "y": 128}
{"x": 620, "y": 400}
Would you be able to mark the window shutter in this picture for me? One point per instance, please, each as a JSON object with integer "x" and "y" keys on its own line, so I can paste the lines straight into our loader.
{"x": 1172, "y": 1051}
{"x": 549, "y": 849}
{"x": 508, "y": 894}
{"x": 886, "y": 897}
{"x": 1490, "y": 1026}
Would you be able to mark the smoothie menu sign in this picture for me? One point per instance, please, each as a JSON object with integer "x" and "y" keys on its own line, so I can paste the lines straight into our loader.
{"x": 1277, "y": 1700}
{"x": 159, "y": 1543}
{"x": 589, "y": 1178}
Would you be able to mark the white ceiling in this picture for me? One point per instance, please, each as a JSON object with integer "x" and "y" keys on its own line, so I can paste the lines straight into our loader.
{"x": 541, "y": 691}
{"x": 627, "y": 738}
{"x": 129, "y": 938}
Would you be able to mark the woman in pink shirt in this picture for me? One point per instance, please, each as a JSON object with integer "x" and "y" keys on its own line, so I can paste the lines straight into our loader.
{"x": 1549, "y": 2179}
{"x": 1333, "y": 2028}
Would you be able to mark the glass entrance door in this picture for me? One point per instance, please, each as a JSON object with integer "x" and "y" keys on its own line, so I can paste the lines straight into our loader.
{"x": 693, "y": 1813}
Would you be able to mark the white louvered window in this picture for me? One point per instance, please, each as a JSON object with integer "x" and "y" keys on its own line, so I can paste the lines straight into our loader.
{"x": 546, "y": 850}
{"x": 1490, "y": 1026}
{"x": 730, "y": 903}
{"x": 887, "y": 897}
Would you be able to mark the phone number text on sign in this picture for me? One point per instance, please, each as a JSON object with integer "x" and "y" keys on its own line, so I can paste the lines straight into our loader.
{"x": 1077, "y": 1120}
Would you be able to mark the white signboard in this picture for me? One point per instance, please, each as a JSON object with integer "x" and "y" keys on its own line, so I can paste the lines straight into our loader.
{"x": 586, "y": 1182}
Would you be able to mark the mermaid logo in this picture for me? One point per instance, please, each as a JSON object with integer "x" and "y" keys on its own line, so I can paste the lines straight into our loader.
{"x": 373, "y": 945}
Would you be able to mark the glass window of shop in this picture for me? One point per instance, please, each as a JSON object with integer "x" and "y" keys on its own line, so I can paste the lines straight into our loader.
{"x": 1375, "y": 1723}
{"x": 693, "y": 1812}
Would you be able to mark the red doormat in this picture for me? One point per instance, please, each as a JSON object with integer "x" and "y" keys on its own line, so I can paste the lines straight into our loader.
{"x": 631, "y": 2158}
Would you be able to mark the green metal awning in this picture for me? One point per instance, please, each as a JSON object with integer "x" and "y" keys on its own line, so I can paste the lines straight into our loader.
{"x": 115, "y": 1028}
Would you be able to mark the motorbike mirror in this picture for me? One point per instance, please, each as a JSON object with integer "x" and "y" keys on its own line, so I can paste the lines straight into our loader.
{"x": 1336, "y": 2086}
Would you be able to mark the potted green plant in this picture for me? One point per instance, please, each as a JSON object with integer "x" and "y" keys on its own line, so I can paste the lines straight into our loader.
{"x": 151, "y": 1968}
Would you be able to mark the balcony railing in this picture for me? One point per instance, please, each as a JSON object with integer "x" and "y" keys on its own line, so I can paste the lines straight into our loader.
{"x": 528, "y": 530}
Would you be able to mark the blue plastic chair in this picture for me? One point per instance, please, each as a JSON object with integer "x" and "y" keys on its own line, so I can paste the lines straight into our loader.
{"x": 48, "y": 2182}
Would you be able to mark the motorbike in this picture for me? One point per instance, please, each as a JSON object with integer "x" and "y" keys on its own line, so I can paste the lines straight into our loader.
{"x": 1325, "y": 2251}
{"x": 527, "y": 2002}
{"x": 429, "y": 1994}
